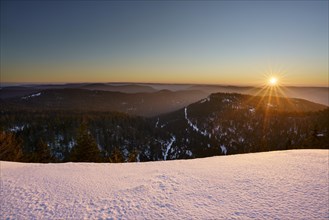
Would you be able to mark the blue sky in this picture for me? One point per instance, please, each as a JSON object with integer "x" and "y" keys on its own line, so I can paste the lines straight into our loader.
{"x": 221, "y": 42}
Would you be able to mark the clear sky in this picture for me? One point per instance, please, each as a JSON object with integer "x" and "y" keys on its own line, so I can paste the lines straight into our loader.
{"x": 212, "y": 42}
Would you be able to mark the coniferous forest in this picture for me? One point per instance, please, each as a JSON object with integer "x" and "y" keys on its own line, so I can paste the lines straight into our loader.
{"x": 220, "y": 124}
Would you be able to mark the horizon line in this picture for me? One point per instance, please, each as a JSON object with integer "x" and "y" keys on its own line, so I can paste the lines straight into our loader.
{"x": 6, "y": 84}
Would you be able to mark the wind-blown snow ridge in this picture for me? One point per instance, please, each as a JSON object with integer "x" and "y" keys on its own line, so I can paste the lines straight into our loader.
{"x": 272, "y": 185}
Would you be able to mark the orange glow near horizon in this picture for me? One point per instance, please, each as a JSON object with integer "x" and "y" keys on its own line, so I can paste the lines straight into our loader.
{"x": 87, "y": 72}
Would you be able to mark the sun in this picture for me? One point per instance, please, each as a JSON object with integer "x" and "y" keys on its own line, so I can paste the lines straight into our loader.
{"x": 273, "y": 81}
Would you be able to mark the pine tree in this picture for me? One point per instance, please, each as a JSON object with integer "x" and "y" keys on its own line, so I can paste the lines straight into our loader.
{"x": 86, "y": 149}
{"x": 116, "y": 156}
{"x": 42, "y": 152}
{"x": 10, "y": 148}
{"x": 133, "y": 156}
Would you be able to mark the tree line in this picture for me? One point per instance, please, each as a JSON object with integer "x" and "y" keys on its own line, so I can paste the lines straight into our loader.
{"x": 63, "y": 136}
{"x": 85, "y": 150}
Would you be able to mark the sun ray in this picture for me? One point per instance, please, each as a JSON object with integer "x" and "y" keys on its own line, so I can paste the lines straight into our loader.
{"x": 272, "y": 91}
{"x": 268, "y": 98}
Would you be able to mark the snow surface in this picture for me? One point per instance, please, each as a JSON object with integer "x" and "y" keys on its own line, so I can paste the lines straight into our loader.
{"x": 31, "y": 96}
{"x": 223, "y": 149}
{"x": 17, "y": 128}
{"x": 172, "y": 140}
{"x": 205, "y": 100}
{"x": 195, "y": 127}
{"x": 272, "y": 185}
{"x": 156, "y": 124}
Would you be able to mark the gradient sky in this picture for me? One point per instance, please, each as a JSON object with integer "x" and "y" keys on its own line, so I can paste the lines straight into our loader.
{"x": 216, "y": 42}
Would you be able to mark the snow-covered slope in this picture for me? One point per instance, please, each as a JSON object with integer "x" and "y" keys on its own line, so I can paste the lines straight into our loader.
{"x": 272, "y": 185}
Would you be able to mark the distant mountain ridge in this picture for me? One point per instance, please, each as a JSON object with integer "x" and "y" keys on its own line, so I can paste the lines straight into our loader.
{"x": 314, "y": 94}
{"x": 16, "y": 91}
{"x": 132, "y": 88}
{"x": 142, "y": 104}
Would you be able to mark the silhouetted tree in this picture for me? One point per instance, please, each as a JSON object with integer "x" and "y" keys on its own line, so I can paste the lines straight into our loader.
{"x": 10, "y": 148}
{"x": 116, "y": 156}
{"x": 86, "y": 149}
{"x": 42, "y": 152}
{"x": 133, "y": 156}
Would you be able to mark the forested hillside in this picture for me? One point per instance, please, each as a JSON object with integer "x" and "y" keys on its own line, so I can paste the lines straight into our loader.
{"x": 220, "y": 124}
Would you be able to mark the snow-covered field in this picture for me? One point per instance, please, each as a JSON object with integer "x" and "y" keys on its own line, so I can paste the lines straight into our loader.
{"x": 272, "y": 185}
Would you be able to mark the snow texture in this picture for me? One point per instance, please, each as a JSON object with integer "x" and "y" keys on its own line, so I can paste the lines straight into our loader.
{"x": 272, "y": 185}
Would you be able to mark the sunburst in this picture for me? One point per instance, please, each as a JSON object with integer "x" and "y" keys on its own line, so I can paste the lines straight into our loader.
{"x": 271, "y": 94}
{"x": 273, "y": 81}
